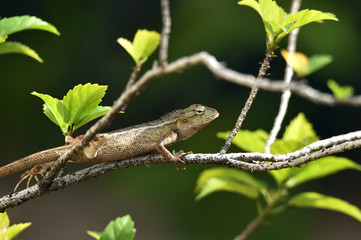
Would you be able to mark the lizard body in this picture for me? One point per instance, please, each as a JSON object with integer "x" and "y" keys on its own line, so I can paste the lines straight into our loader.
{"x": 129, "y": 142}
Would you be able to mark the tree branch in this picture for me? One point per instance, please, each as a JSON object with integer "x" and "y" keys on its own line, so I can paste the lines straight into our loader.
{"x": 247, "y": 161}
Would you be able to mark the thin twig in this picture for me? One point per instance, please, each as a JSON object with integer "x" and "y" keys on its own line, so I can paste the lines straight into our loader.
{"x": 164, "y": 42}
{"x": 286, "y": 95}
{"x": 252, "y": 95}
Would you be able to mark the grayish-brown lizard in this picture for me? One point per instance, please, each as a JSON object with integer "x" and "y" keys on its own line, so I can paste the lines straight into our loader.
{"x": 126, "y": 143}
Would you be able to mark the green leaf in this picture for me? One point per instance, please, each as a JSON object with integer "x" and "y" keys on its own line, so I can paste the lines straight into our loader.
{"x": 8, "y": 233}
{"x": 4, "y": 220}
{"x": 315, "y": 63}
{"x": 15, "y": 229}
{"x": 317, "y": 200}
{"x": 303, "y": 65}
{"x": 253, "y": 4}
{"x": 283, "y": 175}
{"x": 231, "y": 180}
{"x": 321, "y": 168}
{"x": 20, "y": 23}
{"x": 77, "y": 108}
{"x": 128, "y": 46}
{"x": 300, "y": 129}
{"x": 121, "y": 228}
{"x": 281, "y": 146}
{"x": 307, "y": 16}
{"x": 250, "y": 141}
{"x": 98, "y": 112}
{"x": 299, "y": 133}
{"x": 54, "y": 110}
{"x": 340, "y": 92}
{"x": 94, "y": 234}
{"x": 83, "y": 100}
{"x": 144, "y": 44}
{"x": 15, "y": 47}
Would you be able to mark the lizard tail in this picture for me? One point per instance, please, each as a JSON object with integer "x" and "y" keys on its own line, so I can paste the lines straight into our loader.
{"x": 32, "y": 160}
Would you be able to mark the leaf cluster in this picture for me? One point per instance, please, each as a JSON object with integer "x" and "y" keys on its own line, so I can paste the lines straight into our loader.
{"x": 298, "y": 134}
{"x": 278, "y": 23}
{"x": 145, "y": 42}
{"x": 78, "y": 107}
{"x": 20, "y": 23}
{"x": 8, "y": 232}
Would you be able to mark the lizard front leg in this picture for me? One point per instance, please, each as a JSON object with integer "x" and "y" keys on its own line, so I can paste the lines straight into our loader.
{"x": 175, "y": 157}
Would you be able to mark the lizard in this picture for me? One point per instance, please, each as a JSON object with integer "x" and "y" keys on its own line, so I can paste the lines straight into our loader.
{"x": 124, "y": 143}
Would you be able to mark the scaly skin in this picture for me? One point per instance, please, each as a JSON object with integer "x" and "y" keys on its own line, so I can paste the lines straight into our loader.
{"x": 129, "y": 142}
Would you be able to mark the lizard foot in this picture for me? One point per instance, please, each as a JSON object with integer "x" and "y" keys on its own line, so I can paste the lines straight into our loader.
{"x": 29, "y": 174}
{"x": 177, "y": 158}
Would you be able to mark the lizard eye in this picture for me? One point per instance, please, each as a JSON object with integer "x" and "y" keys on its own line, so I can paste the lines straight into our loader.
{"x": 200, "y": 111}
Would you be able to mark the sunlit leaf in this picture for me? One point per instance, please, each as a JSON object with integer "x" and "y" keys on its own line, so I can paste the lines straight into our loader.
{"x": 144, "y": 44}
{"x": 300, "y": 129}
{"x": 250, "y": 141}
{"x": 321, "y": 168}
{"x": 16, "y": 229}
{"x": 231, "y": 180}
{"x": 297, "y": 60}
{"x": 54, "y": 110}
{"x": 218, "y": 184}
{"x": 15, "y": 47}
{"x": 82, "y": 100}
{"x": 307, "y": 16}
{"x": 278, "y": 23}
{"x": 299, "y": 133}
{"x": 16, "y": 24}
{"x": 120, "y": 228}
{"x": 4, "y": 220}
{"x": 317, "y": 200}
{"x": 340, "y": 92}
{"x": 304, "y": 66}
{"x": 9, "y": 232}
{"x": 128, "y": 46}
{"x": 77, "y": 108}
{"x": 98, "y": 112}
{"x": 315, "y": 63}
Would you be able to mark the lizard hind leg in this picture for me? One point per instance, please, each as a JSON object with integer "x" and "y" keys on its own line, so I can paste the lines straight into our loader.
{"x": 29, "y": 174}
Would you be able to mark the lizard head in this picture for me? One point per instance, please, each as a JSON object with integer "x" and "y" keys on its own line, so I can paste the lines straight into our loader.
{"x": 193, "y": 118}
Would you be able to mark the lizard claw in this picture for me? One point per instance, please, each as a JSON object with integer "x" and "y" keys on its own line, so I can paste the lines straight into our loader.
{"x": 178, "y": 156}
{"x": 29, "y": 174}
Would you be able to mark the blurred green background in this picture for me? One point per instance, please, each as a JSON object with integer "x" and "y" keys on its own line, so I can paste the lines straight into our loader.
{"x": 161, "y": 199}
